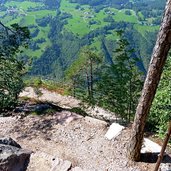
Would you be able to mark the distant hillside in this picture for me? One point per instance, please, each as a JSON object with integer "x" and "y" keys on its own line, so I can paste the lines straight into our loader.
{"x": 60, "y": 28}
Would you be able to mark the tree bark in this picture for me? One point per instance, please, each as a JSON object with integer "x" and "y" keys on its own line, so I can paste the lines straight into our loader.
{"x": 160, "y": 157}
{"x": 88, "y": 83}
{"x": 91, "y": 78}
{"x": 158, "y": 59}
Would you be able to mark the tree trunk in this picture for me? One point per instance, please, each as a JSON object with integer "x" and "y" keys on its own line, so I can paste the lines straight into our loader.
{"x": 88, "y": 83}
{"x": 91, "y": 78}
{"x": 158, "y": 59}
{"x": 160, "y": 157}
{"x": 74, "y": 87}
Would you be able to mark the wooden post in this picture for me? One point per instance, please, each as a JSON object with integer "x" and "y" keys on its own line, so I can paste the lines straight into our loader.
{"x": 160, "y": 157}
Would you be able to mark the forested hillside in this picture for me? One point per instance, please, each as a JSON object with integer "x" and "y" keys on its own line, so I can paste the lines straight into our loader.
{"x": 60, "y": 28}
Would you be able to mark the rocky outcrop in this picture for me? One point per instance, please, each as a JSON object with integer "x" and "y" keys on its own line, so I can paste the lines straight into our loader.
{"x": 12, "y": 156}
{"x": 41, "y": 161}
{"x": 9, "y": 141}
{"x": 68, "y": 102}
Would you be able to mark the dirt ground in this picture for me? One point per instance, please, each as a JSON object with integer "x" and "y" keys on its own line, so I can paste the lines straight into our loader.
{"x": 68, "y": 140}
{"x": 70, "y": 137}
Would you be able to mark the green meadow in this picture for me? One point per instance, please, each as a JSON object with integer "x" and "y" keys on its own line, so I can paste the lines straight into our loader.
{"x": 25, "y": 5}
{"x": 84, "y": 19}
{"x": 79, "y": 23}
{"x": 27, "y": 17}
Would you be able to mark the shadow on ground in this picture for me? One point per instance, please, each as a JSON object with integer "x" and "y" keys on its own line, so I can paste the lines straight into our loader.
{"x": 40, "y": 118}
{"x": 152, "y": 158}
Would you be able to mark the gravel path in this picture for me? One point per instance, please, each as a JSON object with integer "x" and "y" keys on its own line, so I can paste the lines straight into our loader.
{"x": 72, "y": 138}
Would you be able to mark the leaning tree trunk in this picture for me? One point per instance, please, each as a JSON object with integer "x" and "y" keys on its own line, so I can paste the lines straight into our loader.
{"x": 158, "y": 59}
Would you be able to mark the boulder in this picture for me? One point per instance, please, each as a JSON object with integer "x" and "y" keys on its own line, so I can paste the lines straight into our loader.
{"x": 12, "y": 156}
{"x": 9, "y": 141}
{"x": 150, "y": 146}
{"x": 114, "y": 130}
